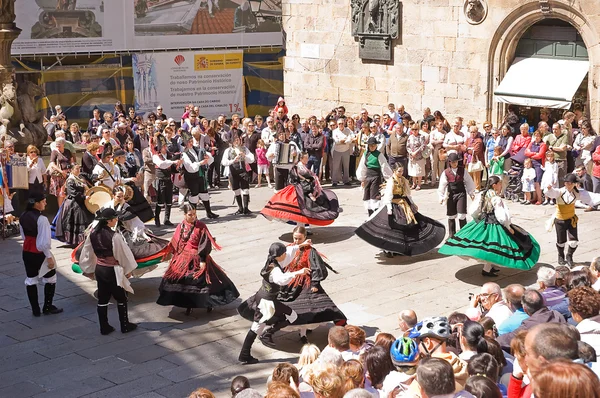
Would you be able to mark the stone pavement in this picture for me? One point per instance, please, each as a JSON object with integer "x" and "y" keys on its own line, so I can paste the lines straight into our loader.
{"x": 172, "y": 354}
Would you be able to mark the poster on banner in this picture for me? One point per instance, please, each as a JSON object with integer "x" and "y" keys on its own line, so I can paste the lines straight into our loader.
{"x": 211, "y": 81}
{"x": 65, "y": 26}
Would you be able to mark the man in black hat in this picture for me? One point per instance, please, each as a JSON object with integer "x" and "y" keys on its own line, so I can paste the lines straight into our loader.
{"x": 35, "y": 231}
{"x": 105, "y": 254}
{"x": 369, "y": 172}
{"x": 165, "y": 167}
{"x": 455, "y": 183}
{"x": 565, "y": 219}
{"x": 195, "y": 167}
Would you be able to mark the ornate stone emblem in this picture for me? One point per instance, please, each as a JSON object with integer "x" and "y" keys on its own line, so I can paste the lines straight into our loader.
{"x": 375, "y": 23}
{"x": 475, "y": 11}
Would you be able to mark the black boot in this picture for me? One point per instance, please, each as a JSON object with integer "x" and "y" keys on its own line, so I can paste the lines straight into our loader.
{"x": 561, "y": 255}
{"x": 267, "y": 337}
{"x": 32, "y": 295}
{"x": 157, "y": 215}
{"x": 570, "y": 252}
{"x": 126, "y": 326}
{"x": 246, "y": 202}
{"x": 105, "y": 328}
{"x": 245, "y": 357}
{"x": 238, "y": 199}
{"x": 48, "y": 309}
{"x": 168, "y": 215}
{"x": 209, "y": 212}
{"x": 370, "y": 212}
{"x": 451, "y": 227}
{"x": 462, "y": 222}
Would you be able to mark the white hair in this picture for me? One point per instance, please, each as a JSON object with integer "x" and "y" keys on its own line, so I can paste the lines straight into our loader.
{"x": 493, "y": 288}
{"x": 60, "y": 141}
{"x": 270, "y": 119}
{"x": 357, "y": 393}
{"x": 60, "y": 134}
{"x": 546, "y": 275}
{"x": 331, "y": 356}
{"x": 195, "y": 129}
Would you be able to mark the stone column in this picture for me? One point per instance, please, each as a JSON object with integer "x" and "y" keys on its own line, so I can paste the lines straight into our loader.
{"x": 8, "y": 33}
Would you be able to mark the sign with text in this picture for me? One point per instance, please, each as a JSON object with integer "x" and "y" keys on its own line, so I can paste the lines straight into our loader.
{"x": 211, "y": 81}
{"x": 76, "y": 26}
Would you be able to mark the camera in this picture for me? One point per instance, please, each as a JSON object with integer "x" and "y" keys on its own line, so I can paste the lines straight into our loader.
{"x": 471, "y": 295}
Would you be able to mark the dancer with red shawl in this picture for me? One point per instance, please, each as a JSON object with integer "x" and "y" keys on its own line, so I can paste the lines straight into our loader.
{"x": 193, "y": 279}
{"x": 303, "y": 294}
{"x": 304, "y": 201}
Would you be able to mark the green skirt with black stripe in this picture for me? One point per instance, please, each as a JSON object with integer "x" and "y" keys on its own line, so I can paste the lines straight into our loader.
{"x": 491, "y": 242}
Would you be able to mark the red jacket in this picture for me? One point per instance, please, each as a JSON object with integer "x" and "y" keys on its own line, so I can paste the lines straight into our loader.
{"x": 540, "y": 156}
{"x": 596, "y": 159}
{"x": 517, "y": 390}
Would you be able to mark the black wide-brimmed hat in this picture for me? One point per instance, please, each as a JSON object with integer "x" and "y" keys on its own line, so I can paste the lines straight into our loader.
{"x": 106, "y": 214}
{"x": 453, "y": 157}
{"x": 572, "y": 178}
{"x": 185, "y": 137}
{"x": 161, "y": 141}
{"x": 35, "y": 197}
{"x": 372, "y": 141}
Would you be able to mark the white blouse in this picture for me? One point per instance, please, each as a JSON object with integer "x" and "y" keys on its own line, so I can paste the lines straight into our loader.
{"x": 37, "y": 170}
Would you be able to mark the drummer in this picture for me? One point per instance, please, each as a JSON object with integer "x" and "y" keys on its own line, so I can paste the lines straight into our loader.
{"x": 105, "y": 173}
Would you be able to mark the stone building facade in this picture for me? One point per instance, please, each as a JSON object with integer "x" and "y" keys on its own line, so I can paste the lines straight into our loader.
{"x": 439, "y": 61}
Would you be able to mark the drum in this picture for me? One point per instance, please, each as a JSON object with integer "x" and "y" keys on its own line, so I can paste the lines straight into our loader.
{"x": 98, "y": 197}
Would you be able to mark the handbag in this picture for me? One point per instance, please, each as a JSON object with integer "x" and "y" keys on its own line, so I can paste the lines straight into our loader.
{"x": 426, "y": 152}
{"x": 442, "y": 154}
{"x": 475, "y": 166}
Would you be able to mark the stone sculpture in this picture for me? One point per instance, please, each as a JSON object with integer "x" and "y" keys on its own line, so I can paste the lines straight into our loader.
{"x": 475, "y": 11}
{"x": 375, "y": 23}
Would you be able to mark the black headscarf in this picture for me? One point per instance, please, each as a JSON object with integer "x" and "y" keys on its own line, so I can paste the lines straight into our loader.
{"x": 276, "y": 250}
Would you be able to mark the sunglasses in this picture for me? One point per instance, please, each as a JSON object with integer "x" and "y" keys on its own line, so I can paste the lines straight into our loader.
{"x": 171, "y": 125}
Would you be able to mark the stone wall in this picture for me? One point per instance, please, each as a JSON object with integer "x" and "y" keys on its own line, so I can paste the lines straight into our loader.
{"x": 439, "y": 61}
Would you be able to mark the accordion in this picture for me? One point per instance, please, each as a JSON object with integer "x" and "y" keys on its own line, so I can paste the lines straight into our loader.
{"x": 284, "y": 153}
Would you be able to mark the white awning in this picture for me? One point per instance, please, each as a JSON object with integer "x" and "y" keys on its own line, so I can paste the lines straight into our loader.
{"x": 542, "y": 82}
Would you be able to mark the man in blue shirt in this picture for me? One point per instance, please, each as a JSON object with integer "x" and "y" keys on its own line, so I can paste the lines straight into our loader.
{"x": 514, "y": 294}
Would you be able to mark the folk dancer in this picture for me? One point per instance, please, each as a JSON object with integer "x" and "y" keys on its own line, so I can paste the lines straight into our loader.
{"x": 370, "y": 170}
{"x": 455, "y": 184}
{"x": 38, "y": 259}
{"x": 564, "y": 219}
{"x": 106, "y": 173}
{"x": 238, "y": 158}
{"x": 165, "y": 167}
{"x": 269, "y": 310}
{"x": 195, "y": 166}
{"x": 106, "y": 255}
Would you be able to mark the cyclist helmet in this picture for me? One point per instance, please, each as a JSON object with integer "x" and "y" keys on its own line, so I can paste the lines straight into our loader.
{"x": 404, "y": 351}
{"x": 436, "y": 327}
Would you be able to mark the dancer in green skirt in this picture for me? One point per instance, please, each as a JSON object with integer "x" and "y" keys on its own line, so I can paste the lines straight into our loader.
{"x": 492, "y": 237}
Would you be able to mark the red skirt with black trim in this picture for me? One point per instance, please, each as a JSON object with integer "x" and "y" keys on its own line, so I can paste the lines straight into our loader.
{"x": 290, "y": 204}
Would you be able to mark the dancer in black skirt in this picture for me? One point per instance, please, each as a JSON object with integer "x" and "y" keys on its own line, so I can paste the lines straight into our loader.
{"x": 74, "y": 217}
{"x": 193, "y": 279}
{"x": 372, "y": 170}
{"x": 304, "y": 293}
{"x": 268, "y": 310}
{"x": 398, "y": 227}
{"x": 106, "y": 255}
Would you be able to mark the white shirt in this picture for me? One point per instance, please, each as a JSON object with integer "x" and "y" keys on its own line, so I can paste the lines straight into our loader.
{"x": 452, "y": 138}
{"x": 107, "y": 180}
{"x": 469, "y": 184}
{"x": 37, "y": 170}
{"x": 42, "y": 240}
{"x": 361, "y": 171}
{"x": 267, "y": 135}
{"x": 339, "y": 139}
{"x": 248, "y": 156}
{"x": 294, "y": 151}
{"x": 191, "y": 162}
{"x": 160, "y": 163}
{"x": 499, "y": 312}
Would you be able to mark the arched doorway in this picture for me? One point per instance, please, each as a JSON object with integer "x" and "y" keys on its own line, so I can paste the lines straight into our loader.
{"x": 518, "y": 25}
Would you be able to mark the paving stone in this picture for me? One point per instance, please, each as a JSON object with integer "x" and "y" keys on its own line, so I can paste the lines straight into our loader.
{"x": 136, "y": 371}
{"x": 133, "y": 388}
{"x": 83, "y": 372}
{"x": 75, "y": 389}
{"x": 41, "y": 368}
{"x": 144, "y": 354}
{"x": 21, "y": 390}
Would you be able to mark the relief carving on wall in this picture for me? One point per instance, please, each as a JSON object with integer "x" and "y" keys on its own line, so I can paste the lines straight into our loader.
{"x": 475, "y": 11}
{"x": 375, "y": 23}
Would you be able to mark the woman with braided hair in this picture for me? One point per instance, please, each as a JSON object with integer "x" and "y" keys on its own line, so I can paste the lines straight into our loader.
{"x": 492, "y": 237}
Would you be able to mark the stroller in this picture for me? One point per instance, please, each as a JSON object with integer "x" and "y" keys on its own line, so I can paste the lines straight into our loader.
{"x": 515, "y": 186}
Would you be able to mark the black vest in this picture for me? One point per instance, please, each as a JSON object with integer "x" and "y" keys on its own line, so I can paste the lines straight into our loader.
{"x": 269, "y": 289}
{"x": 163, "y": 174}
{"x": 102, "y": 242}
{"x": 28, "y": 222}
{"x": 200, "y": 155}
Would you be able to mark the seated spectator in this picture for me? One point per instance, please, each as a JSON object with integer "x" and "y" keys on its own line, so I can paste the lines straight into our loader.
{"x": 279, "y": 389}
{"x": 432, "y": 335}
{"x": 239, "y": 384}
{"x": 353, "y": 373}
{"x": 201, "y": 393}
{"x": 533, "y": 304}
{"x": 456, "y": 321}
{"x": 565, "y": 379}
{"x": 286, "y": 373}
{"x": 405, "y": 358}
{"x": 485, "y": 365}
{"x": 308, "y": 355}
{"x": 435, "y": 377}
{"x": 584, "y": 304}
{"x": 407, "y": 319}
{"x": 472, "y": 340}
{"x": 378, "y": 364}
{"x": 554, "y": 297}
{"x": 249, "y": 393}
{"x": 587, "y": 353}
{"x": 338, "y": 339}
{"x": 521, "y": 383}
{"x": 492, "y": 302}
{"x": 489, "y": 327}
{"x": 357, "y": 339}
{"x": 514, "y": 295}
{"x": 385, "y": 340}
{"x": 327, "y": 383}
{"x": 595, "y": 271}
{"x": 482, "y": 387}
{"x": 578, "y": 278}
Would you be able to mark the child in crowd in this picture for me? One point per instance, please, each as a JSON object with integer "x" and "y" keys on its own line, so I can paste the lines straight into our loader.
{"x": 392, "y": 112}
{"x": 262, "y": 163}
{"x": 550, "y": 176}
{"x": 497, "y": 166}
{"x": 528, "y": 180}
{"x": 85, "y": 139}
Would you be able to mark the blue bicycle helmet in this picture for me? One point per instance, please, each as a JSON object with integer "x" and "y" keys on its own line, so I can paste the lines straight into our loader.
{"x": 404, "y": 351}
